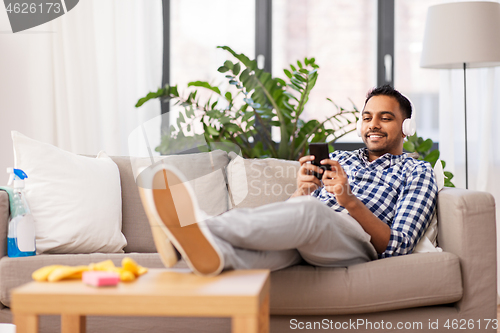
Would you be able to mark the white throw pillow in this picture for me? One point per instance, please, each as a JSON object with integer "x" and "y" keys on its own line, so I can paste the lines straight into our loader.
{"x": 428, "y": 242}
{"x": 75, "y": 200}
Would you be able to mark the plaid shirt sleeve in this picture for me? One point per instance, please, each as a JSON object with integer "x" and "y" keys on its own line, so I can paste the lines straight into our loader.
{"x": 414, "y": 210}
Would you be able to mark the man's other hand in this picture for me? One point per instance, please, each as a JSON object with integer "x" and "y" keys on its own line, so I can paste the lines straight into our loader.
{"x": 307, "y": 183}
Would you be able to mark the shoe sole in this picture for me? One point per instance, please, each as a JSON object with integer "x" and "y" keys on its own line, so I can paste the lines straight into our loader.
{"x": 173, "y": 203}
{"x": 165, "y": 249}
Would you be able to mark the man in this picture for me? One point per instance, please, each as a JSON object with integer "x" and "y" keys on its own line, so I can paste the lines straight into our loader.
{"x": 375, "y": 202}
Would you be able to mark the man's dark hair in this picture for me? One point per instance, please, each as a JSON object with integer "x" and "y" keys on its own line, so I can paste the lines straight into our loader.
{"x": 387, "y": 90}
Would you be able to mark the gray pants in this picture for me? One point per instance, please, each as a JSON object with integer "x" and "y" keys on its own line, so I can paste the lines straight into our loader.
{"x": 281, "y": 234}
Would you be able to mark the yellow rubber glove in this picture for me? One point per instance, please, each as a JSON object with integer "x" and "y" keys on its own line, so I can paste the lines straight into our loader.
{"x": 43, "y": 273}
{"x": 129, "y": 264}
{"x": 52, "y": 273}
{"x": 67, "y": 272}
{"x": 102, "y": 266}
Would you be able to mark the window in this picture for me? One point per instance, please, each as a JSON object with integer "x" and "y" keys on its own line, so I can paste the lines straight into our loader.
{"x": 197, "y": 28}
{"x": 419, "y": 84}
{"x": 341, "y": 35}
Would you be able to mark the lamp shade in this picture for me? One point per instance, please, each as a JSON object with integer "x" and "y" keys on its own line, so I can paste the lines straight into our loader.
{"x": 462, "y": 32}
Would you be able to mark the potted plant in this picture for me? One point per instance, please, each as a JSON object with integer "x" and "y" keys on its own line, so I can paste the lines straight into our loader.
{"x": 258, "y": 103}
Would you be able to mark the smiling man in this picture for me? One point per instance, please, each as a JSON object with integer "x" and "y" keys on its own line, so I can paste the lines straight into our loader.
{"x": 375, "y": 202}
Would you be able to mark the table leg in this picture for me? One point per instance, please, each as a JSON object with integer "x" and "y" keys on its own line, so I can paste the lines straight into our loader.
{"x": 26, "y": 323}
{"x": 71, "y": 323}
{"x": 245, "y": 324}
{"x": 253, "y": 324}
{"x": 264, "y": 316}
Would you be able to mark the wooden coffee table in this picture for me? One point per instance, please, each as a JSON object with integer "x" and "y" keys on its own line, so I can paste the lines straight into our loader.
{"x": 242, "y": 295}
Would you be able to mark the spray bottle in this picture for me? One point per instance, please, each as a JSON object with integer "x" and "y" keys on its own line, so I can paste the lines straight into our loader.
{"x": 21, "y": 234}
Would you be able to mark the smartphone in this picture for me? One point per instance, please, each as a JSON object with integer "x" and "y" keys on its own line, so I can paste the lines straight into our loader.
{"x": 320, "y": 152}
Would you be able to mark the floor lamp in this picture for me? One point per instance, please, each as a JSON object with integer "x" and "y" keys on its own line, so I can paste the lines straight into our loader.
{"x": 462, "y": 35}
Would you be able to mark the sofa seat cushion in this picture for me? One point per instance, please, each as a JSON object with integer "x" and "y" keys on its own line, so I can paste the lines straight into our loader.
{"x": 394, "y": 283}
{"x": 15, "y": 272}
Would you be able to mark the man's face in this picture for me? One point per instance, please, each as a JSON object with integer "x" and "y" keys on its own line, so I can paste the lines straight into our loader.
{"x": 381, "y": 126}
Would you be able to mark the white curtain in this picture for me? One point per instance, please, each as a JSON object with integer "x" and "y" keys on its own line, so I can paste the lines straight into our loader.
{"x": 483, "y": 119}
{"x": 105, "y": 56}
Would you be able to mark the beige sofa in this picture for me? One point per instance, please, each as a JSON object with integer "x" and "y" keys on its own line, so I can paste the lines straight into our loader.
{"x": 408, "y": 293}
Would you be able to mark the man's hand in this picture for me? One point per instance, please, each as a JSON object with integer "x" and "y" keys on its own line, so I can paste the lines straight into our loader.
{"x": 337, "y": 183}
{"x": 307, "y": 183}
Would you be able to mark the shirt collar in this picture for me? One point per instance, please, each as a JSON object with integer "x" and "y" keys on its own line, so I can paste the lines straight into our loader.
{"x": 385, "y": 160}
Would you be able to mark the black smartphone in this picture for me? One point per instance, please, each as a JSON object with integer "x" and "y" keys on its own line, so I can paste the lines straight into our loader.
{"x": 320, "y": 152}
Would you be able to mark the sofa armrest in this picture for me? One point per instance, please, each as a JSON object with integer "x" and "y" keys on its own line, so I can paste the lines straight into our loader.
{"x": 4, "y": 222}
{"x": 467, "y": 228}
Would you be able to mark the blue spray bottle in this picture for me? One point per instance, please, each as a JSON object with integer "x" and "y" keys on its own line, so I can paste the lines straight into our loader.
{"x": 21, "y": 234}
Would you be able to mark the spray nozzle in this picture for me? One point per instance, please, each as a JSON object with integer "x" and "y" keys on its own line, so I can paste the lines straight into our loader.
{"x": 16, "y": 174}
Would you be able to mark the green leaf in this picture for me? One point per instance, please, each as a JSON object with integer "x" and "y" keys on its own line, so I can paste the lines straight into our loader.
{"x": 312, "y": 72}
{"x": 280, "y": 81}
{"x": 173, "y": 91}
{"x": 236, "y": 68}
{"x": 287, "y": 73}
{"x": 409, "y": 146}
{"x": 448, "y": 174}
{"x": 232, "y": 128}
{"x": 241, "y": 57}
{"x": 203, "y": 84}
{"x": 244, "y": 75}
{"x": 152, "y": 95}
{"x": 443, "y": 163}
{"x": 210, "y": 130}
{"x": 228, "y": 96}
{"x": 432, "y": 157}
{"x": 425, "y": 146}
{"x": 222, "y": 69}
{"x": 447, "y": 183}
{"x": 225, "y": 120}
{"x": 293, "y": 68}
{"x": 228, "y": 64}
{"x": 247, "y": 116}
{"x": 190, "y": 112}
{"x": 299, "y": 64}
{"x": 299, "y": 78}
{"x": 264, "y": 77}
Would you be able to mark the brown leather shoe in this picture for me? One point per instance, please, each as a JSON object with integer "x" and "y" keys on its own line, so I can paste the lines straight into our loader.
{"x": 174, "y": 215}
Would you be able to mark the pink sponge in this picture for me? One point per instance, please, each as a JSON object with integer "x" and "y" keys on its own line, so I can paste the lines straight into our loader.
{"x": 99, "y": 279}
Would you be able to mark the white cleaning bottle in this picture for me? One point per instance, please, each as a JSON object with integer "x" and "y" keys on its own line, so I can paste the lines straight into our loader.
{"x": 21, "y": 234}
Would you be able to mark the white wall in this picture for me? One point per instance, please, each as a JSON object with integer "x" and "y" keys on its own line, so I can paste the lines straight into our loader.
{"x": 25, "y": 87}
{"x": 73, "y": 82}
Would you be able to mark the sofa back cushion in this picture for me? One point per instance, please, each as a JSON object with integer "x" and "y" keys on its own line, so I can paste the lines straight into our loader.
{"x": 256, "y": 182}
{"x": 205, "y": 173}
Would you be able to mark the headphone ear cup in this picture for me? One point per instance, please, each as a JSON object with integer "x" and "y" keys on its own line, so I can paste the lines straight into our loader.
{"x": 358, "y": 126}
{"x": 409, "y": 127}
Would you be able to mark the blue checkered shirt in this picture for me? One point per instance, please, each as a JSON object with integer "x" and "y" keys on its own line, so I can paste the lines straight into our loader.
{"x": 399, "y": 190}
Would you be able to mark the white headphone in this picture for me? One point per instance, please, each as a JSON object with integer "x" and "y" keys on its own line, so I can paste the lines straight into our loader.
{"x": 409, "y": 125}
